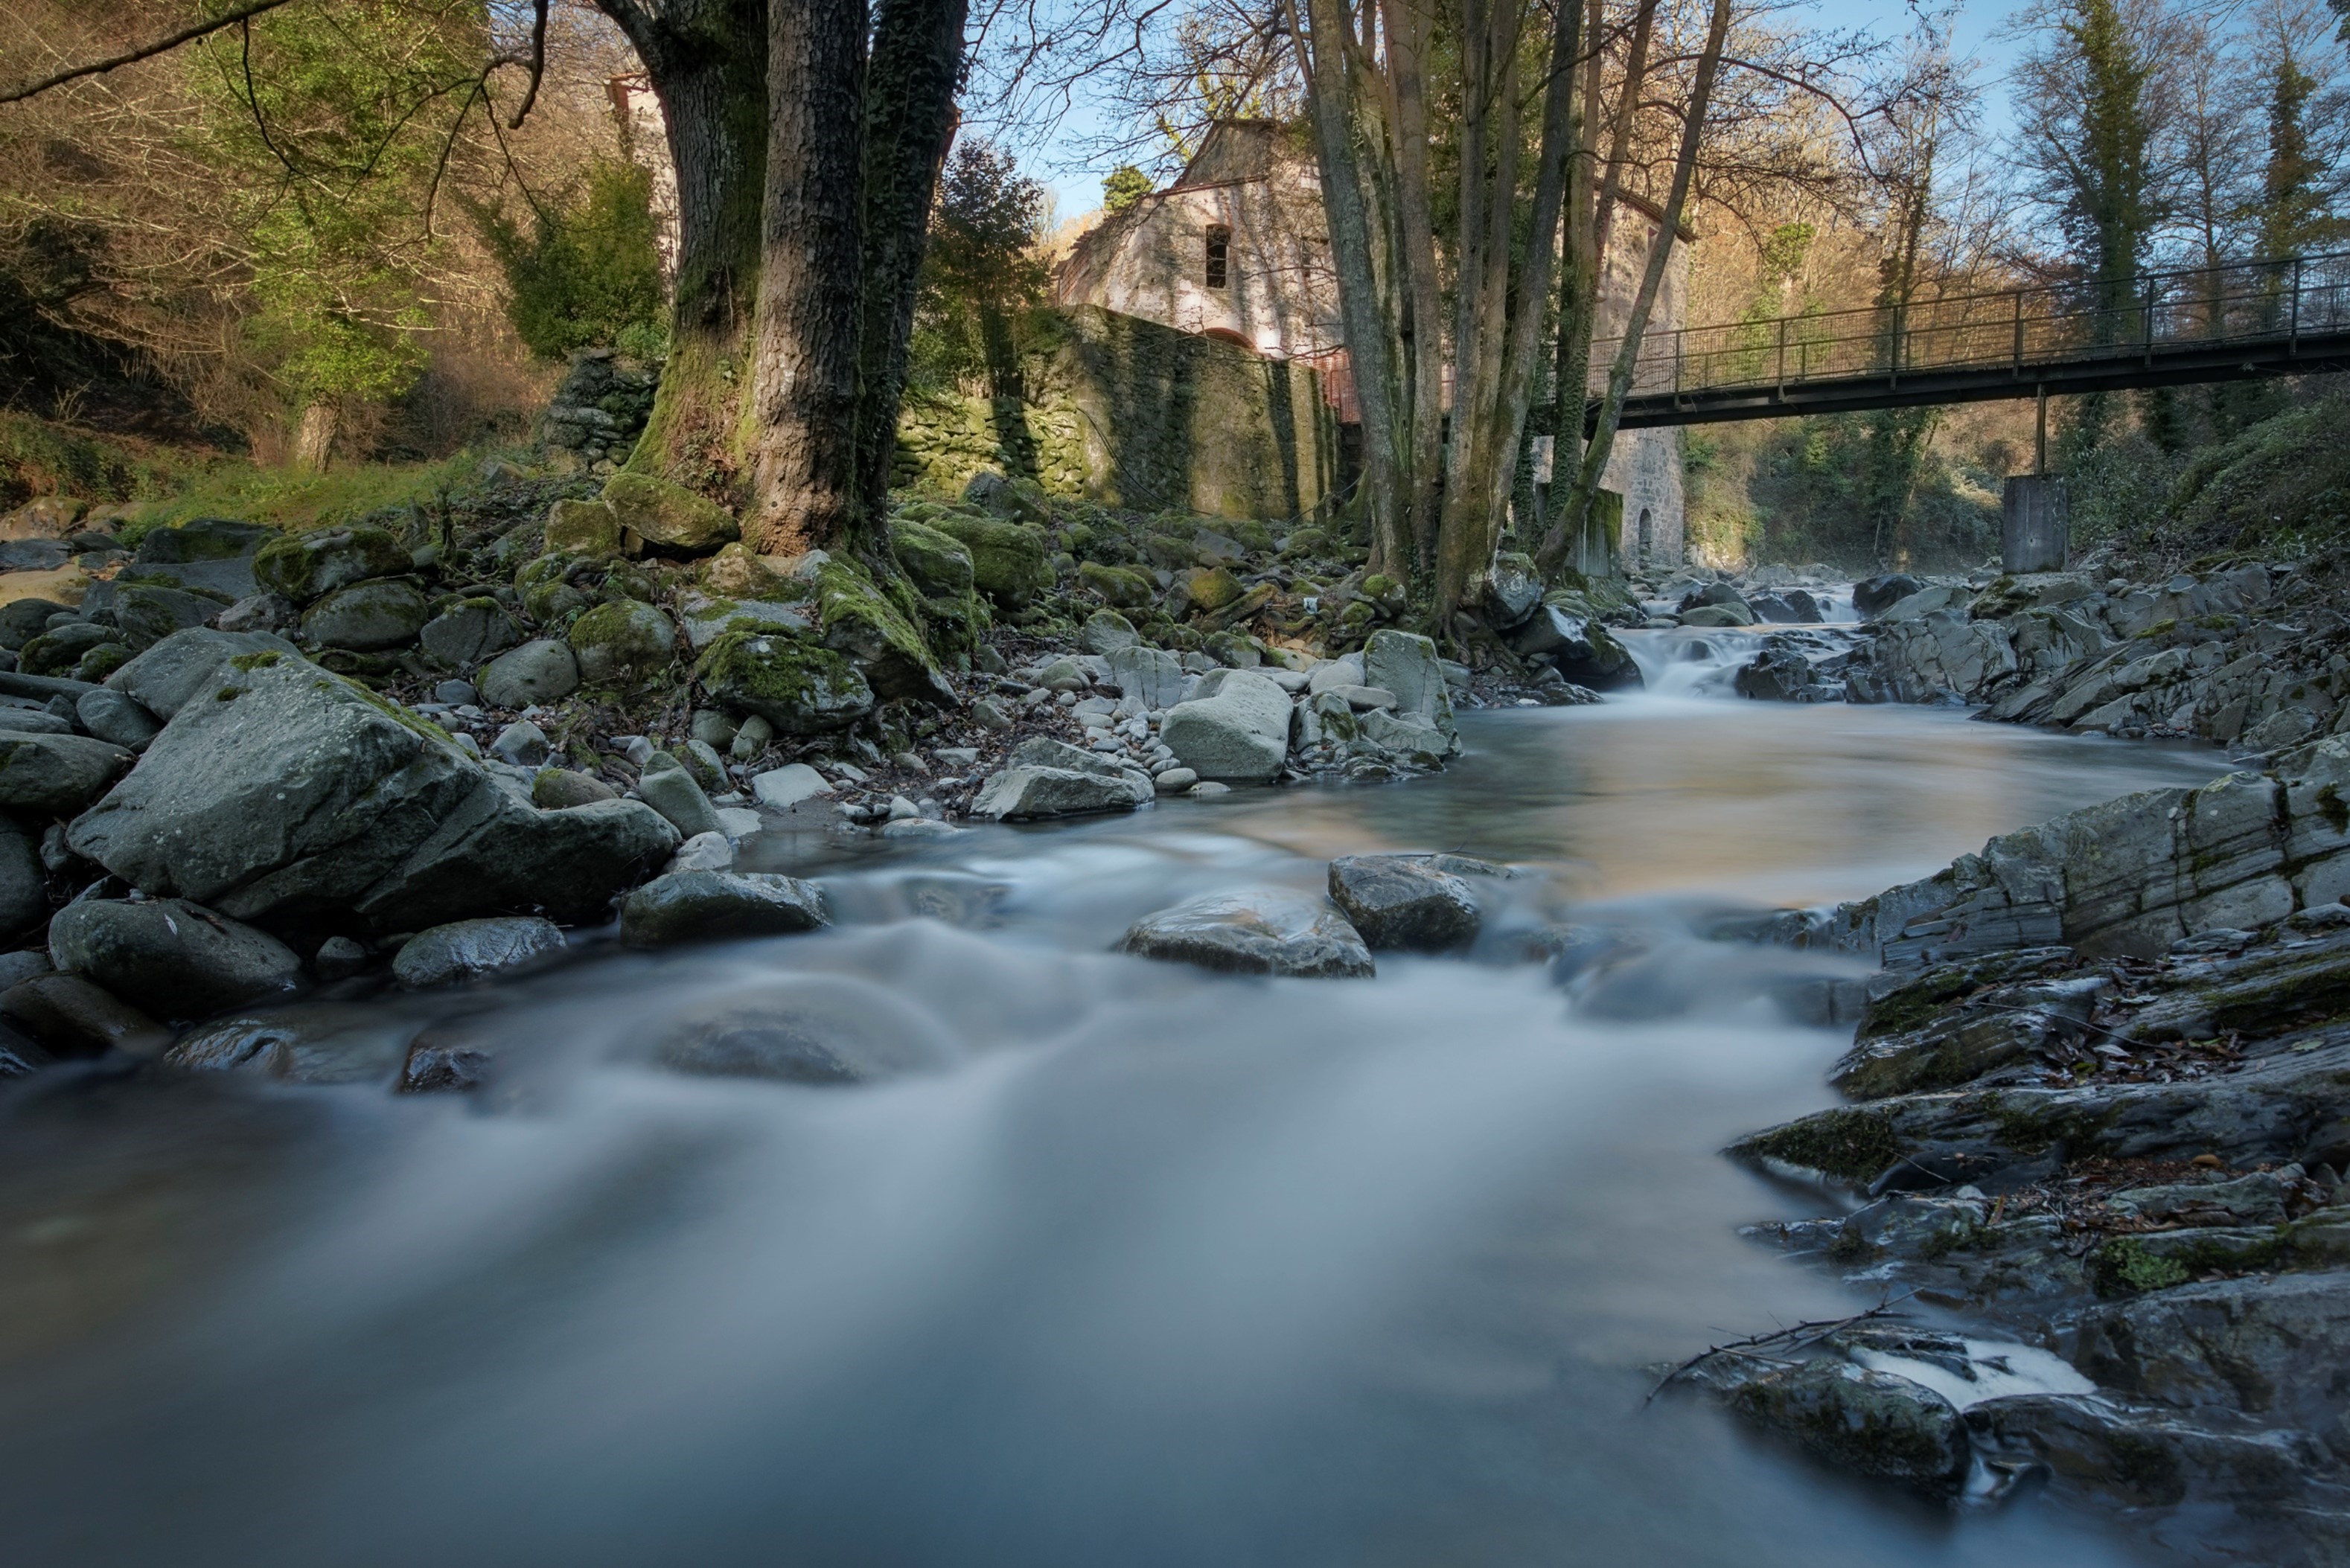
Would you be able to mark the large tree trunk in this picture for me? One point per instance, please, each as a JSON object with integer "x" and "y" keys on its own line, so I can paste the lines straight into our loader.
{"x": 1332, "y": 102}
{"x": 707, "y": 60}
{"x": 314, "y": 437}
{"x": 803, "y": 365}
{"x": 1570, "y": 522}
{"x": 1423, "y": 369}
{"x": 910, "y": 120}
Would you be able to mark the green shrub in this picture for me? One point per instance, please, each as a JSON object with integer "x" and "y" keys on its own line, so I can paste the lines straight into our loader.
{"x": 587, "y": 271}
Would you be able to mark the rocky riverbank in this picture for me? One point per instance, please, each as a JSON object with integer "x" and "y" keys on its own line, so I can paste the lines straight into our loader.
{"x": 2094, "y": 1155}
{"x": 237, "y": 762}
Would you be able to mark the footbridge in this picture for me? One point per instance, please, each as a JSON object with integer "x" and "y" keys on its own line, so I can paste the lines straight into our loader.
{"x": 2163, "y": 329}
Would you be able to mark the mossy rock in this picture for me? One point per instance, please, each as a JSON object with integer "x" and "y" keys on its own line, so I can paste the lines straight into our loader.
{"x": 1251, "y": 536}
{"x": 308, "y": 566}
{"x": 940, "y": 564}
{"x": 790, "y": 680}
{"x": 1120, "y": 587}
{"x": 583, "y": 528}
{"x": 737, "y": 572}
{"x": 668, "y": 517}
{"x": 368, "y": 618}
{"x": 553, "y": 789}
{"x": 1009, "y": 561}
{"x": 102, "y": 662}
{"x": 622, "y": 644}
{"x": 1306, "y": 544}
{"x": 1211, "y": 588}
{"x": 860, "y": 620}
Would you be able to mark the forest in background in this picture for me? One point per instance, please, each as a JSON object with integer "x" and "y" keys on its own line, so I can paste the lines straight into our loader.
{"x": 327, "y": 238}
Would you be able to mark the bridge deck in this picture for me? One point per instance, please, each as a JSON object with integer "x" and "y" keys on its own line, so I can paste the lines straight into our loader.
{"x": 2169, "y": 329}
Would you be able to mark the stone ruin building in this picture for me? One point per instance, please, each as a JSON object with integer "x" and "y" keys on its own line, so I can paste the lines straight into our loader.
{"x": 1237, "y": 250}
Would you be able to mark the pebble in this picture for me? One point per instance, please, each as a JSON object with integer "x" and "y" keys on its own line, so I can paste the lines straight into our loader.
{"x": 1175, "y": 779}
{"x": 780, "y": 789}
{"x": 339, "y": 957}
{"x": 1210, "y": 788}
{"x": 851, "y": 772}
{"x": 703, "y": 852}
{"x": 522, "y": 742}
{"x": 455, "y": 693}
{"x": 901, "y": 808}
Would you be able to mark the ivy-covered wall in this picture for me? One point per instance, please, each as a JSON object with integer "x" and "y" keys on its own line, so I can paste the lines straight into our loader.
{"x": 1131, "y": 413}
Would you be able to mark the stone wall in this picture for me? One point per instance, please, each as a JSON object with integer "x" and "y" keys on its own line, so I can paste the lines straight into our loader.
{"x": 1131, "y": 413}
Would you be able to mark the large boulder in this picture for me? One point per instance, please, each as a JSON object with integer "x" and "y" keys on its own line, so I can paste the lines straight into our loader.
{"x": 211, "y": 552}
{"x": 467, "y": 632}
{"x": 469, "y": 950}
{"x": 1871, "y": 596}
{"x": 1259, "y": 933}
{"x": 1236, "y": 731}
{"x": 193, "y": 663}
{"x": 708, "y": 905}
{"x": 940, "y": 564}
{"x": 1405, "y": 664}
{"x": 1052, "y": 778}
{"x": 622, "y": 643}
{"x": 1150, "y": 676}
{"x": 1403, "y": 901}
{"x": 21, "y": 620}
{"x": 310, "y": 565}
{"x": 55, "y": 775}
{"x": 148, "y": 614}
{"x": 582, "y": 528}
{"x": 369, "y": 616}
{"x": 792, "y": 680}
{"x": 862, "y": 621}
{"x": 1009, "y": 561}
{"x": 1582, "y": 649}
{"x": 668, "y": 515}
{"x": 287, "y": 793}
{"x": 68, "y": 1015}
{"x": 1857, "y": 1418}
{"x": 540, "y": 671}
{"x": 171, "y": 957}
{"x": 24, "y": 886}
{"x": 669, "y": 787}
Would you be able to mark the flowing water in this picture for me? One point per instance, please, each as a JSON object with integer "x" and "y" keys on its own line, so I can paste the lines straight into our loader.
{"x": 1129, "y": 1264}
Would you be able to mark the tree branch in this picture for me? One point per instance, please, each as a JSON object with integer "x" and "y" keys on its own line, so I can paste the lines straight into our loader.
{"x": 250, "y": 8}
{"x": 538, "y": 67}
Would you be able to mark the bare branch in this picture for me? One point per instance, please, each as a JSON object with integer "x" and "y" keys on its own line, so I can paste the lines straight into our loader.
{"x": 538, "y": 67}
{"x": 147, "y": 51}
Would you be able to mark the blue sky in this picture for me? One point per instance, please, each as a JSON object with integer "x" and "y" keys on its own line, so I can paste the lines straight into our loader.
{"x": 1079, "y": 191}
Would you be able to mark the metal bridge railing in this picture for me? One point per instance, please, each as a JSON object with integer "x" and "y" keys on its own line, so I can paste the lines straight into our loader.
{"x": 2015, "y": 328}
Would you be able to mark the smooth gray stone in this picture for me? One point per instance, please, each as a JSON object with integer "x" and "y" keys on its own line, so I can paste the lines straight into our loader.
{"x": 169, "y": 957}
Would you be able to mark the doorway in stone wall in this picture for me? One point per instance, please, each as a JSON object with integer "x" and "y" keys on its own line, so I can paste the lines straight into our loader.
{"x": 1647, "y": 539}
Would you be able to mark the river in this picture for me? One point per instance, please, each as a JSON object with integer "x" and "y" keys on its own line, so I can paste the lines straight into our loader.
{"x": 1131, "y": 1264}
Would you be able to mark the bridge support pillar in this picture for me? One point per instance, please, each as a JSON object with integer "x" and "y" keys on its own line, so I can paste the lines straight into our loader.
{"x": 2036, "y": 524}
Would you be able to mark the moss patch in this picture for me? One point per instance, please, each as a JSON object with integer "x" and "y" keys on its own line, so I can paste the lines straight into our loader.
{"x": 1848, "y": 1145}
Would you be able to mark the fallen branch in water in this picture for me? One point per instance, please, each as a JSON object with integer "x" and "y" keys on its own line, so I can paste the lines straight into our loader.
{"x": 1795, "y": 1338}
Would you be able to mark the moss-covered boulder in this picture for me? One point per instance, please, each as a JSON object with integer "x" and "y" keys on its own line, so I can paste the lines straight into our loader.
{"x": 737, "y": 572}
{"x": 550, "y": 596}
{"x": 369, "y": 616}
{"x": 1252, "y": 536}
{"x": 668, "y": 517}
{"x": 622, "y": 644}
{"x": 857, "y": 619}
{"x": 1210, "y": 588}
{"x": 790, "y": 680}
{"x": 583, "y": 528}
{"x": 1121, "y": 586}
{"x": 308, "y": 566}
{"x": 940, "y": 564}
{"x": 1010, "y": 562}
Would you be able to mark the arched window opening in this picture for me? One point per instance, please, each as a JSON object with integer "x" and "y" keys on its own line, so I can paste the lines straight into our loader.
{"x": 1220, "y": 257}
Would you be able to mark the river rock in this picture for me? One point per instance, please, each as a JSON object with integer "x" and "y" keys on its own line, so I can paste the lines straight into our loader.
{"x": 791, "y": 681}
{"x": 1028, "y": 791}
{"x": 810, "y": 1030}
{"x": 55, "y": 775}
{"x": 1263, "y": 933}
{"x": 668, "y": 516}
{"x": 586, "y": 528}
{"x": 68, "y": 1015}
{"x": 1402, "y": 902}
{"x": 1151, "y": 676}
{"x": 1405, "y": 664}
{"x": 1871, "y": 596}
{"x": 33, "y": 722}
{"x": 1106, "y": 631}
{"x": 211, "y": 553}
{"x": 24, "y": 885}
{"x": 1010, "y": 562}
{"x": 939, "y": 564}
{"x": 780, "y": 789}
{"x": 1237, "y": 730}
{"x": 553, "y": 789}
{"x": 1872, "y": 1423}
{"x": 712, "y": 906}
{"x": 116, "y": 720}
{"x": 669, "y": 787}
{"x": 171, "y": 957}
{"x": 467, "y": 632}
{"x": 260, "y": 612}
{"x": 1718, "y": 616}
{"x": 313, "y": 1044}
{"x": 1576, "y": 645}
{"x": 622, "y": 643}
{"x": 21, "y": 620}
{"x": 192, "y": 663}
{"x": 703, "y": 852}
{"x": 539, "y": 672}
{"x": 368, "y": 617}
{"x": 59, "y": 648}
{"x": 147, "y": 613}
{"x": 468, "y": 949}
{"x": 290, "y": 791}
{"x": 310, "y": 565}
